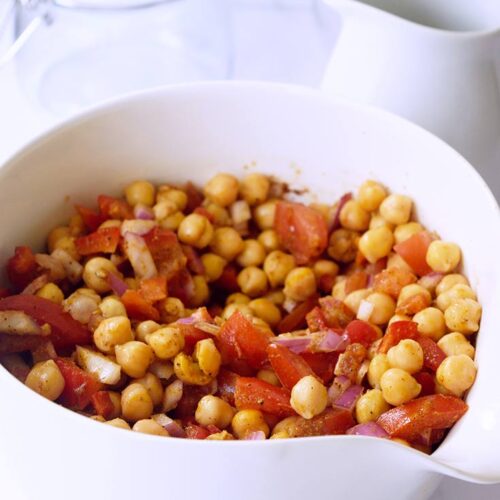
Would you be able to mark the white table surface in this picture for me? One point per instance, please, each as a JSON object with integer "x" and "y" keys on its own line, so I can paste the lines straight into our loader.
{"x": 297, "y": 55}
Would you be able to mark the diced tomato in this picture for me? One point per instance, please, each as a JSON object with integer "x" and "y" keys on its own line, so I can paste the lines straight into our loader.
{"x": 195, "y": 197}
{"x": 114, "y": 208}
{"x": 166, "y": 251}
{"x": 138, "y": 307}
{"x": 316, "y": 320}
{"x": 191, "y": 333}
{"x": 22, "y": 267}
{"x": 322, "y": 364}
{"x": 336, "y": 313}
{"x": 254, "y": 394}
{"x": 194, "y": 262}
{"x": 297, "y": 318}
{"x": 361, "y": 332}
{"x": 376, "y": 267}
{"x": 429, "y": 438}
{"x": 65, "y": 331}
{"x": 91, "y": 218}
{"x": 203, "y": 211}
{"x": 392, "y": 280}
{"x": 326, "y": 282}
{"x": 350, "y": 361}
{"x": 414, "y": 304}
{"x": 332, "y": 421}
{"x": 196, "y": 432}
{"x": 356, "y": 281}
{"x": 19, "y": 343}
{"x": 191, "y": 395}
{"x": 396, "y": 332}
{"x": 419, "y": 415}
{"x": 288, "y": 366}
{"x": 239, "y": 338}
{"x": 79, "y": 386}
{"x": 340, "y": 205}
{"x": 301, "y": 230}
{"x": 153, "y": 289}
{"x": 226, "y": 385}
{"x": 228, "y": 280}
{"x": 426, "y": 380}
{"x": 433, "y": 354}
{"x": 101, "y": 241}
{"x": 103, "y": 405}
{"x": 181, "y": 286}
{"x": 414, "y": 251}
{"x": 4, "y": 292}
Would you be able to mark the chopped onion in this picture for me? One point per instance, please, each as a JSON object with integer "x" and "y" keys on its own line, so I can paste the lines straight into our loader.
{"x": 36, "y": 285}
{"x": 19, "y": 323}
{"x": 171, "y": 426}
{"x": 81, "y": 307}
{"x": 430, "y": 281}
{"x": 172, "y": 396}
{"x": 54, "y": 266}
{"x": 289, "y": 305}
{"x": 162, "y": 369}
{"x": 207, "y": 327}
{"x": 340, "y": 385}
{"x": 348, "y": 398}
{"x": 363, "y": 370}
{"x": 295, "y": 344}
{"x": 240, "y": 212}
{"x": 335, "y": 223}
{"x": 139, "y": 255}
{"x": 188, "y": 320}
{"x": 332, "y": 341}
{"x": 143, "y": 212}
{"x": 73, "y": 268}
{"x": 255, "y": 436}
{"x": 368, "y": 429}
{"x": 106, "y": 371}
{"x": 137, "y": 226}
{"x": 365, "y": 310}
{"x": 117, "y": 284}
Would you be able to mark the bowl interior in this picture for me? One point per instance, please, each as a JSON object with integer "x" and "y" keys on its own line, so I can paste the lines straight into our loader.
{"x": 192, "y": 132}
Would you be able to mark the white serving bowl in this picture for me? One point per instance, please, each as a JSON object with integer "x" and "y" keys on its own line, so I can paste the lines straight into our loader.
{"x": 190, "y": 133}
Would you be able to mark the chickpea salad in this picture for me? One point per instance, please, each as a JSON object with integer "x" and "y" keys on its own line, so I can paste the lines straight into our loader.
{"x": 232, "y": 312}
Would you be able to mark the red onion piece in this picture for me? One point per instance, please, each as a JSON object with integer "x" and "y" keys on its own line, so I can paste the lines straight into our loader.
{"x": 171, "y": 426}
{"x": 335, "y": 224}
{"x": 117, "y": 284}
{"x": 368, "y": 429}
{"x": 348, "y": 398}
{"x": 255, "y": 436}
{"x": 295, "y": 344}
{"x": 332, "y": 341}
{"x": 137, "y": 226}
{"x": 139, "y": 255}
{"x": 36, "y": 285}
{"x": 143, "y": 212}
{"x": 189, "y": 320}
{"x": 72, "y": 267}
{"x": 430, "y": 281}
{"x": 340, "y": 385}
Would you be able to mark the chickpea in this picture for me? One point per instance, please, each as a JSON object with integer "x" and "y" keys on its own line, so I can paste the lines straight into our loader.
{"x": 67, "y": 243}
{"x": 378, "y": 221}
{"x": 431, "y": 323}
{"x": 95, "y": 274}
{"x": 463, "y": 316}
{"x": 227, "y": 243}
{"x": 246, "y": 421}
{"x": 263, "y": 308}
{"x": 253, "y": 254}
{"x": 254, "y": 188}
{"x": 57, "y": 234}
{"x": 442, "y": 256}
{"x": 457, "y": 373}
{"x": 277, "y": 265}
{"x": 201, "y": 291}
{"x": 110, "y": 223}
{"x": 140, "y": 192}
{"x": 51, "y": 292}
{"x": 220, "y": 436}
{"x": 173, "y": 309}
{"x": 277, "y": 297}
{"x": 279, "y": 435}
{"x": 134, "y": 357}
{"x": 238, "y": 298}
{"x": 172, "y": 222}
{"x": 395, "y": 260}
{"x": 269, "y": 240}
{"x": 196, "y": 230}
{"x": 399, "y": 317}
{"x": 214, "y": 266}
{"x": 412, "y": 290}
{"x": 354, "y": 217}
{"x": 324, "y": 267}
{"x": 396, "y": 209}
{"x": 119, "y": 423}
{"x": 112, "y": 332}
{"x": 144, "y": 328}
{"x": 177, "y": 196}
{"x": 309, "y": 397}
{"x": 212, "y": 410}
{"x": 252, "y": 281}
{"x": 370, "y": 406}
{"x": 383, "y": 307}
{"x": 455, "y": 343}
{"x": 208, "y": 357}
{"x": 219, "y": 214}
{"x": 149, "y": 426}
{"x": 376, "y": 243}
{"x": 166, "y": 342}
{"x": 230, "y": 309}
{"x": 112, "y": 306}
{"x": 46, "y": 379}
{"x": 268, "y": 375}
{"x": 449, "y": 281}
{"x": 370, "y": 195}
{"x": 164, "y": 209}
{"x": 343, "y": 245}
{"x": 405, "y": 231}
{"x": 153, "y": 385}
{"x": 353, "y": 300}
{"x": 264, "y": 215}
{"x": 456, "y": 292}
{"x": 398, "y": 386}
{"x": 286, "y": 426}
{"x": 222, "y": 189}
{"x": 407, "y": 355}
{"x": 136, "y": 403}
{"x": 379, "y": 364}
{"x": 300, "y": 284}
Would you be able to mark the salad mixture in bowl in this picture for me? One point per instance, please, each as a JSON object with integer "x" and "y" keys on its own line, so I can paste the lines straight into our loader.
{"x": 233, "y": 312}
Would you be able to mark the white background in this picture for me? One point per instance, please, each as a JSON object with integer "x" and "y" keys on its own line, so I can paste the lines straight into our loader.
{"x": 278, "y": 40}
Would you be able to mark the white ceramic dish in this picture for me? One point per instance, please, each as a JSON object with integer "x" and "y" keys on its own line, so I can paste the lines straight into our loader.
{"x": 191, "y": 132}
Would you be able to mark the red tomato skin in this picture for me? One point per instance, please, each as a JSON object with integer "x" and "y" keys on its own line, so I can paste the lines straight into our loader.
{"x": 226, "y": 385}
{"x": 196, "y": 432}
{"x": 409, "y": 420}
{"x": 91, "y": 218}
{"x": 79, "y": 386}
{"x": 65, "y": 331}
{"x": 21, "y": 267}
{"x": 316, "y": 320}
{"x": 153, "y": 289}
{"x": 414, "y": 251}
{"x": 322, "y": 363}
{"x": 361, "y": 332}
{"x": 288, "y": 366}
{"x": 102, "y": 241}
{"x": 297, "y": 318}
{"x": 101, "y": 401}
{"x": 356, "y": 281}
{"x": 301, "y": 230}
{"x": 336, "y": 313}
{"x": 433, "y": 354}
{"x": 254, "y": 394}
{"x": 166, "y": 252}
{"x": 114, "y": 208}
{"x": 138, "y": 307}
{"x": 396, "y": 332}
{"x": 426, "y": 380}
{"x": 331, "y": 422}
